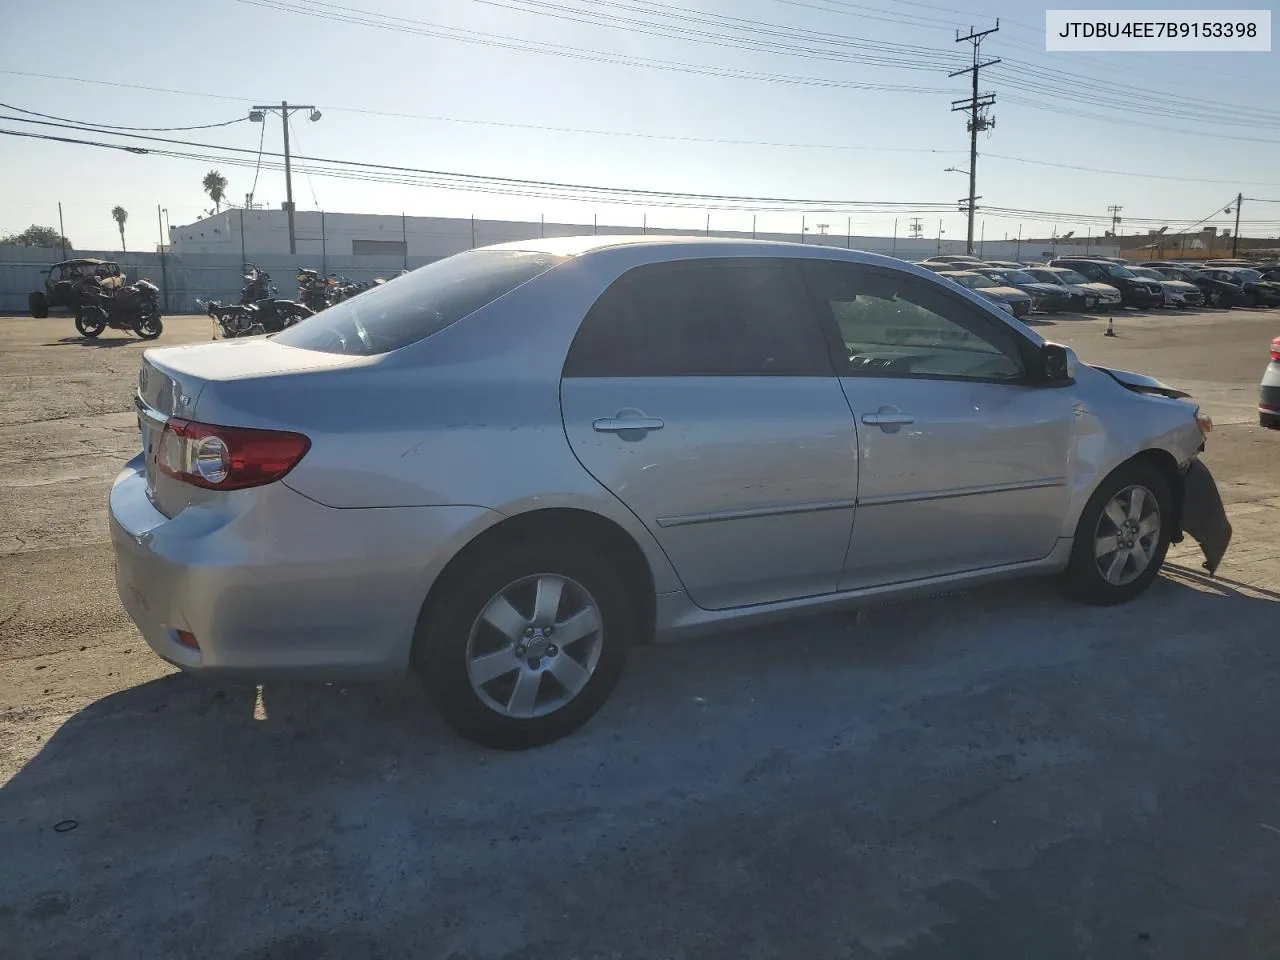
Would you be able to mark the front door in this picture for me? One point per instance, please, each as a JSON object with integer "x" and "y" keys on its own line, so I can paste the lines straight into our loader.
{"x": 963, "y": 461}
{"x": 701, "y": 393}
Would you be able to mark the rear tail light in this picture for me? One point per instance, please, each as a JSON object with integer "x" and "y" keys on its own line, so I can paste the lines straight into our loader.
{"x": 1275, "y": 349}
{"x": 227, "y": 458}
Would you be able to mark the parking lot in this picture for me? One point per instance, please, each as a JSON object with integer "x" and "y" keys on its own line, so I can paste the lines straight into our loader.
{"x": 998, "y": 773}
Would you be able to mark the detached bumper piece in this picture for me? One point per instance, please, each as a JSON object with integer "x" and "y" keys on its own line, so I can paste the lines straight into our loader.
{"x": 1203, "y": 515}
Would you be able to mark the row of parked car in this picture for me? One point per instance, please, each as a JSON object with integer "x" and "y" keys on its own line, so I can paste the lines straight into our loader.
{"x": 1111, "y": 283}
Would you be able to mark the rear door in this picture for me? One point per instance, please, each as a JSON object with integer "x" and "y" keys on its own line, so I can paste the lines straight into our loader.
{"x": 963, "y": 463}
{"x": 702, "y": 394}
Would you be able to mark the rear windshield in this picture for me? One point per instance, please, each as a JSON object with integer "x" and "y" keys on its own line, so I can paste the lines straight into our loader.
{"x": 976, "y": 282}
{"x": 418, "y": 304}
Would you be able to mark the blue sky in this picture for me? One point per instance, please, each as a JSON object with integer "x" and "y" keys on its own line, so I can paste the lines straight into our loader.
{"x": 1201, "y": 113}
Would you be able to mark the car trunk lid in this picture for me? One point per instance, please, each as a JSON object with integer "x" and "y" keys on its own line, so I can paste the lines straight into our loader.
{"x": 181, "y": 382}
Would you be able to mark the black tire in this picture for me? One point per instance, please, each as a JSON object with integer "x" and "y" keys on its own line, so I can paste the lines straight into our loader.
{"x": 90, "y": 324}
{"x": 1083, "y": 577}
{"x": 148, "y": 328}
{"x": 445, "y": 630}
{"x": 38, "y": 304}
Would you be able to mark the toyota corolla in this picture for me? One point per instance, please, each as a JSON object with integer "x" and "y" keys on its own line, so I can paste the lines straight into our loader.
{"x": 504, "y": 469}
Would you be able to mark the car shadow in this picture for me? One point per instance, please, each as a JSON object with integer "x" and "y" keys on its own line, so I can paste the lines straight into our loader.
{"x": 186, "y": 818}
{"x": 94, "y": 342}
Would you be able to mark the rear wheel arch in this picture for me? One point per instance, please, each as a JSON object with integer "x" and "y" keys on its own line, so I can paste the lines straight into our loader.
{"x": 560, "y": 525}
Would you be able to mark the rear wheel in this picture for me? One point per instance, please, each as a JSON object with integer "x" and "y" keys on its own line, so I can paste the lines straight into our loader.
{"x": 1122, "y": 537}
{"x": 525, "y": 644}
{"x": 38, "y": 304}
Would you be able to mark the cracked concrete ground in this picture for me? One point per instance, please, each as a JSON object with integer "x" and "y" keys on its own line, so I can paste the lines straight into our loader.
{"x": 998, "y": 774}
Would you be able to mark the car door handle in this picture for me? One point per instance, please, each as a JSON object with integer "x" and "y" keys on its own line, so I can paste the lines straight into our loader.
{"x": 888, "y": 419}
{"x": 623, "y": 424}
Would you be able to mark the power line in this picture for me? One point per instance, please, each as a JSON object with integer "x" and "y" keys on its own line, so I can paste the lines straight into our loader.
{"x": 112, "y": 126}
{"x": 404, "y": 25}
{"x": 346, "y": 169}
{"x": 674, "y": 138}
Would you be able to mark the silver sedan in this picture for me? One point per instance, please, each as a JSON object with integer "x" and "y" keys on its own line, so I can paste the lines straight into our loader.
{"x": 505, "y": 468}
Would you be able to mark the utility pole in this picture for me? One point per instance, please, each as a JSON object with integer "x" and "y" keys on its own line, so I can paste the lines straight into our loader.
{"x": 62, "y": 232}
{"x": 917, "y": 228}
{"x": 976, "y": 105}
{"x": 1235, "y": 234}
{"x": 164, "y": 263}
{"x": 1114, "y": 210}
{"x": 258, "y": 115}
{"x": 939, "y": 238}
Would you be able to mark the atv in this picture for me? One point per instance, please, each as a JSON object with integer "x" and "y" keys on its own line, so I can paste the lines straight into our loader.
{"x": 75, "y": 283}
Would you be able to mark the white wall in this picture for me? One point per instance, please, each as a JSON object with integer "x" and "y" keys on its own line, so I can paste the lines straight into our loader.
{"x": 266, "y": 232}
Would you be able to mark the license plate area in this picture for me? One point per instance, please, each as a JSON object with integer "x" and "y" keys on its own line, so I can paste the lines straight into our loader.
{"x": 151, "y": 428}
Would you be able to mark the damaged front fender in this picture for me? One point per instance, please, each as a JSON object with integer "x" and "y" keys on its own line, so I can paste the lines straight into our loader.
{"x": 1203, "y": 515}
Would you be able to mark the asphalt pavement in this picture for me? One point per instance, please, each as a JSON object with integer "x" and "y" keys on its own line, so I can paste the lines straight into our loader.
{"x": 995, "y": 774}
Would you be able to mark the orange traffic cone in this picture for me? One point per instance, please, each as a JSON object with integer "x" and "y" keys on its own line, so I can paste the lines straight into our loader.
{"x": 1111, "y": 331}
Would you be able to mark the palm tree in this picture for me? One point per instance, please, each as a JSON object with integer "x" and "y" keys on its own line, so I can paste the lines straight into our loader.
{"x": 215, "y": 185}
{"x": 120, "y": 215}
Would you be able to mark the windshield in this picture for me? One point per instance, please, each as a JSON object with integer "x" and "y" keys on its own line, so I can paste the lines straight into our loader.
{"x": 418, "y": 304}
{"x": 1145, "y": 272}
{"x": 1246, "y": 274}
{"x": 975, "y": 282}
{"x": 1115, "y": 270}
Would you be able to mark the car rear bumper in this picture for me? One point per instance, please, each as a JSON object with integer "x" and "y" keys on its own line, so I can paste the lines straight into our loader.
{"x": 272, "y": 584}
{"x": 1269, "y": 397}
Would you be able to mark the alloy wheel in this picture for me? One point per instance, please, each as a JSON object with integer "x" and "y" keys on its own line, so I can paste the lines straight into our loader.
{"x": 1127, "y": 535}
{"x": 534, "y": 646}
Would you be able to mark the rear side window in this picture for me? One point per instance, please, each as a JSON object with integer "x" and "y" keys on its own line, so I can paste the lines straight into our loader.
{"x": 715, "y": 317}
{"x": 416, "y": 305}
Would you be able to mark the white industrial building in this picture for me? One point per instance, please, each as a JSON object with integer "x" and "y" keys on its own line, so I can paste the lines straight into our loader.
{"x": 264, "y": 234}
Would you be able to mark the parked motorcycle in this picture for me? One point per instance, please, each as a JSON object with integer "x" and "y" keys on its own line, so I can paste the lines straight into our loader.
{"x": 134, "y": 307}
{"x": 257, "y": 312}
{"x": 313, "y": 290}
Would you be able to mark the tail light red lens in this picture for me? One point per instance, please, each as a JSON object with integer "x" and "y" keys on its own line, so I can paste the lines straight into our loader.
{"x": 227, "y": 458}
{"x": 1275, "y": 349}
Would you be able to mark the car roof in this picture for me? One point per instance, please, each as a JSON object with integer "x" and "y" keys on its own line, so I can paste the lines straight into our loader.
{"x": 959, "y": 273}
{"x": 82, "y": 262}
{"x": 665, "y": 246}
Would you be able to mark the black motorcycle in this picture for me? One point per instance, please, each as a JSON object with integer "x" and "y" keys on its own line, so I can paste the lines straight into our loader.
{"x": 313, "y": 290}
{"x": 257, "y": 312}
{"x": 134, "y": 307}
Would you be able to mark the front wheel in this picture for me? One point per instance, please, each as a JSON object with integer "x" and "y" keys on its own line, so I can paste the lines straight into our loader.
{"x": 90, "y": 323}
{"x": 524, "y": 645}
{"x": 148, "y": 327}
{"x": 1122, "y": 537}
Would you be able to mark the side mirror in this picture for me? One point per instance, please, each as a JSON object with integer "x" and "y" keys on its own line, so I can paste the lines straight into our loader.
{"x": 1057, "y": 364}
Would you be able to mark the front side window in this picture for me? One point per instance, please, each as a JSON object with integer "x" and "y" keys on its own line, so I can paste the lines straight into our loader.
{"x": 745, "y": 316}
{"x": 896, "y": 325}
{"x": 1115, "y": 270}
{"x": 418, "y": 304}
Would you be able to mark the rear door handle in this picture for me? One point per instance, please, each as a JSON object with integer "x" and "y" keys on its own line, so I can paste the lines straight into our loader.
{"x": 888, "y": 419}
{"x": 624, "y": 424}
